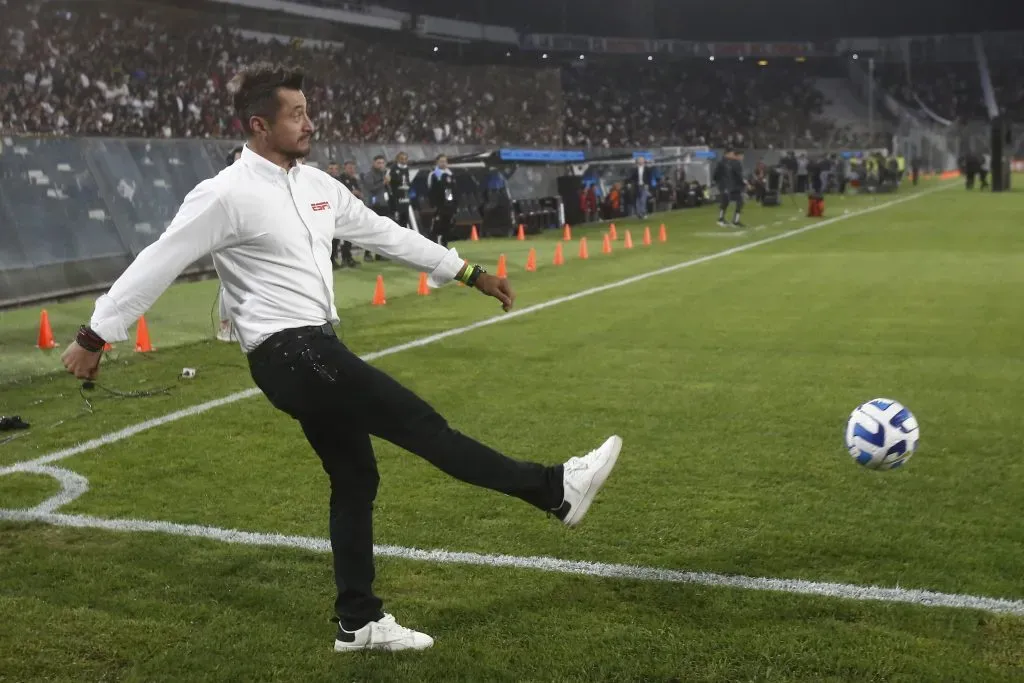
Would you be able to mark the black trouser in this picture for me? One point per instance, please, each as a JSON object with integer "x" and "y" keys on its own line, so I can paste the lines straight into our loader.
{"x": 441, "y": 228}
{"x": 340, "y": 400}
{"x": 724, "y": 197}
{"x": 400, "y": 213}
{"x": 345, "y": 250}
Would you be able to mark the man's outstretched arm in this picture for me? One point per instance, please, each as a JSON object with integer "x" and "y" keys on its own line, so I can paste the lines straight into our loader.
{"x": 201, "y": 225}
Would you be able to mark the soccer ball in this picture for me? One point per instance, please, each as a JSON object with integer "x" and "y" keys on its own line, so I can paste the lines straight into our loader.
{"x": 881, "y": 434}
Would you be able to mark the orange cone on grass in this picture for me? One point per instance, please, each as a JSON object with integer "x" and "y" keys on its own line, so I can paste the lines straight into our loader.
{"x": 502, "y": 267}
{"x": 662, "y": 235}
{"x": 612, "y": 233}
{"x": 583, "y": 249}
{"x": 629, "y": 240}
{"x": 647, "y": 235}
{"x": 142, "y": 341}
{"x": 559, "y": 257}
{"x": 474, "y": 236}
{"x": 45, "y": 340}
{"x": 521, "y": 235}
{"x": 378, "y": 292}
{"x": 531, "y": 260}
{"x": 107, "y": 347}
{"x": 606, "y": 245}
{"x": 566, "y": 233}
{"x": 423, "y": 289}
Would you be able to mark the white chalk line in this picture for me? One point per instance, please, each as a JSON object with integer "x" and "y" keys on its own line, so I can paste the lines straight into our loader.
{"x": 74, "y": 485}
{"x": 923, "y": 598}
{"x": 119, "y": 435}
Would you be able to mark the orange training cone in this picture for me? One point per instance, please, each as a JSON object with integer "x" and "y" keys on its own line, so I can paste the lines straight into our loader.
{"x": 612, "y": 232}
{"x": 662, "y": 235}
{"x": 378, "y": 292}
{"x": 142, "y": 342}
{"x": 474, "y": 236}
{"x": 45, "y": 340}
{"x": 559, "y": 257}
{"x": 521, "y": 235}
{"x": 108, "y": 347}
{"x": 531, "y": 260}
{"x": 583, "y": 249}
{"x": 567, "y": 233}
{"x": 423, "y": 289}
{"x": 647, "y": 235}
{"x": 629, "y": 240}
{"x": 502, "y": 267}
{"x": 606, "y": 245}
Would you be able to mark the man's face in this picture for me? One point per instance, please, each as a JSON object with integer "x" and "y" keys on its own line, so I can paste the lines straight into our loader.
{"x": 378, "y": 164}
{"x": 334, "y": 170}
{"x": 640, "y": 162}
{"x": 291, "y": 132}
{"x": 403, "y": 158}
{"x": 442, "y": 163}
{"x": 350, "y": 169}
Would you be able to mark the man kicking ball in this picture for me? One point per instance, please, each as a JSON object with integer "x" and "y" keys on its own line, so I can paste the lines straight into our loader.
{"x": 269, "y": 221}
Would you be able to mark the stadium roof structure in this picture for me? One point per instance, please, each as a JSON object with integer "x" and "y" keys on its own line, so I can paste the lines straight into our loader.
{"x": 806, "y": 20}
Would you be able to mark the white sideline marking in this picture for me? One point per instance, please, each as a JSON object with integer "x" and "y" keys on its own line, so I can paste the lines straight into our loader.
{"x": 922, "y": 598}
{"x": 113, "y": 437}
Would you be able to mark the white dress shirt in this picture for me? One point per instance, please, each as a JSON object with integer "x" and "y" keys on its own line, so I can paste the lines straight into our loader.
{"x": 269, "y": 231}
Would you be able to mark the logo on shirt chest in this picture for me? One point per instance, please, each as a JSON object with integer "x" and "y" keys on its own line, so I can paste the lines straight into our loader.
{"x": 320, "y": 206}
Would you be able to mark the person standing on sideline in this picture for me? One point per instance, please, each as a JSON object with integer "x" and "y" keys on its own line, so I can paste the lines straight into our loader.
{"x": 268, "y": 220}
{"x": 640, "y": 178}
{"x": 441, "y": 190}
{"x": 339, "y": 248}
{"x": 728, "y": 176}
{"x": 399, "y": 184}
{"x": 376, "y": 191}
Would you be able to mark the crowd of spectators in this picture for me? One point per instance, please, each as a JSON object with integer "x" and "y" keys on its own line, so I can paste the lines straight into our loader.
{"x": 139, "y": 70}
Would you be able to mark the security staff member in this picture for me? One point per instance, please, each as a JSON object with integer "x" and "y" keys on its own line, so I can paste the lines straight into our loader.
{"x": 399, "y": 183}
{"x": 441, "y": 190}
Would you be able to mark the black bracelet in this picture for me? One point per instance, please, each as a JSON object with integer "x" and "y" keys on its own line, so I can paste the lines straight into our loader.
{"x": 89, "y": 340}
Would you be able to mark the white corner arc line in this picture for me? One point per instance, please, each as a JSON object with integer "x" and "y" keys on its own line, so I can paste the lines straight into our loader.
{"x": 924, "y": 598}
{"x": 132, "y": 430}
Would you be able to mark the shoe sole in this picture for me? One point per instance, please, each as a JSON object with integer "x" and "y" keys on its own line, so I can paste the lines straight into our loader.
{"x": 340, "y": 646}
{"x": 577, "y": 513}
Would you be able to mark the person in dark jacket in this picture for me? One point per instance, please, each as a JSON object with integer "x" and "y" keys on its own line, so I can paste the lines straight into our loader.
{"x": 399, "y": 182}
{"x": 728, "y": 178}
{"x": 441, "y": 190}
{"x": 376, "y": 192}
{"x": 339, "y": 248}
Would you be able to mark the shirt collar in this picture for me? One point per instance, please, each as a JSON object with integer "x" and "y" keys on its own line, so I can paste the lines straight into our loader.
{"x": 265, "y": 167}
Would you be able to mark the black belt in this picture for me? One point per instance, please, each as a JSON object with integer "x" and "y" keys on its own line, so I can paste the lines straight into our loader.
{"x": 277, "y": 339}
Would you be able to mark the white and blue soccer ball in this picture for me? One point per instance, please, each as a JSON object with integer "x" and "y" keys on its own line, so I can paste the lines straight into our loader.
{"x": 881, "y": 434}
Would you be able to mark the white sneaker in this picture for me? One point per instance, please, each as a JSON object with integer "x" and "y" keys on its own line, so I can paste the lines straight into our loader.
{"x": 384, "y": 634}
{"x": 583, "y": 477}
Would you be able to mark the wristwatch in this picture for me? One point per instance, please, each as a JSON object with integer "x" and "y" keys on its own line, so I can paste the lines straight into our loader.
{"x": 474, "y": 275}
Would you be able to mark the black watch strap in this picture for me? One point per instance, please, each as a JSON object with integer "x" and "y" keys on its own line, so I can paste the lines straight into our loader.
{"x": 474, "y": 275}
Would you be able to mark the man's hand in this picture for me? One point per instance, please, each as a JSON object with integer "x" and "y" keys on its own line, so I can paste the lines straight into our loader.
{"x": 81, "y": 363}
{"x": 498, "y": 287}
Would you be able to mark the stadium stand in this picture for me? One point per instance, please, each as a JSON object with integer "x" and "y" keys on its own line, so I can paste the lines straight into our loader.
{"x": 144, "y": 70}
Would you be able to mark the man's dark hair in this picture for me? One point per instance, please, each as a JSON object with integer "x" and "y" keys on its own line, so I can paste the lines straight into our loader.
{"x": 350, "y": 161}
{"x": 255, "y": 90}
{"x": 439, "y": 157}
{"x": 381, "y": 157}
{"x": 332, "y": 162}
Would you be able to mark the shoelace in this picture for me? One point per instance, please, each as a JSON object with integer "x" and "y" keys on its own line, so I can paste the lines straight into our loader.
{"x": 576, "y": 464}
